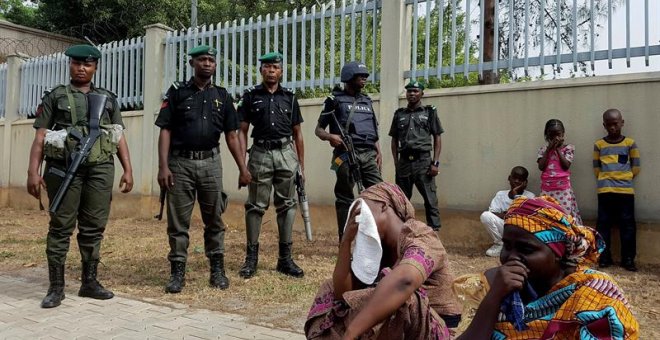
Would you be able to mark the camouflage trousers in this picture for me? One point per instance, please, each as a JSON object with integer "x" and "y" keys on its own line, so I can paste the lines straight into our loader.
{"x": 199, "y": 180}
{"x": 271, "y": 169}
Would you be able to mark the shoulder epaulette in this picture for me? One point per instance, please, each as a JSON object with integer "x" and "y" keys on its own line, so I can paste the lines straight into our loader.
{"x": 177, "y": 84}
{"x": 286, "y": 89}
{"x": 249, "y": 89}
{"x": 432, "y": 108}
{"x": 47, "y": 92}
{"x": 331, "y": 96}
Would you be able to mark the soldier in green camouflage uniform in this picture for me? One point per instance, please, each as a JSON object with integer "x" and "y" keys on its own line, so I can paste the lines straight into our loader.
{"x": 88, "y": 199}
{"x": 276, "y": 153}
{"x": 415, "y": 132}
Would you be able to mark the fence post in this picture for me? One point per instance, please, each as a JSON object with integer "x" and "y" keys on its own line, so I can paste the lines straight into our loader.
{"x": 395, "y": 57}
{"x": 12, "y": 101}
{"x": 154, "y": 73}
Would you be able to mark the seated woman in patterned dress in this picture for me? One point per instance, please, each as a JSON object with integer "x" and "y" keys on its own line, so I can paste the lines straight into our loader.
{"x": 410, "y": 299}
{"x": 544, "y": 288}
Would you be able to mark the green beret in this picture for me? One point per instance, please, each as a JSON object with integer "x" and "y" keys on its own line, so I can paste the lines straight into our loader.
{"x": 83, "y": 52}
{"x": 414, "y": 84}
{"x": 272, "y": 57}
{"x": 202, "y": 50}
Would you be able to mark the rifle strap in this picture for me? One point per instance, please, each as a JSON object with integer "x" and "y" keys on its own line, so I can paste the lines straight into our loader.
{"x": 350, "y": 115}
{"x": 72, "y": 106}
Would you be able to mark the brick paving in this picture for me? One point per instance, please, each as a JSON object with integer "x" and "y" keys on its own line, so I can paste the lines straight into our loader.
{"x": 117, "y": 318}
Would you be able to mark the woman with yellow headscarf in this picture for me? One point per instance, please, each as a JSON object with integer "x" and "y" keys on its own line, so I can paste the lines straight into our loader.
{"x": 545, "y": 288}
{"x": 411, "y": 298}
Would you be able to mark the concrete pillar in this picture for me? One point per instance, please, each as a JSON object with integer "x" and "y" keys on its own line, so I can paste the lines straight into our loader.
{"x": 12, "y": 100}
{"x": 154, "y": 69}
{"x": 395, "y": 58}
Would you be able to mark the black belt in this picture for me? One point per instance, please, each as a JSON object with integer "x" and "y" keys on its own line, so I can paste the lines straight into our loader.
{"x": 272, "y": 144}
{"x": 195, "y": 154}
{"x": 413, "y": 155}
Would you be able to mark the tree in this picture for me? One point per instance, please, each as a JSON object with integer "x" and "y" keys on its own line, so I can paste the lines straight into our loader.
{"x": 16, "y": 11}
{"x": 108, "y": 20}
{"x": 555, "y": 13}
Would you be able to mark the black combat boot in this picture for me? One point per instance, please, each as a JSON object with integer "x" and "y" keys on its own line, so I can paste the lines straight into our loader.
{"x": 285, "y": 264}
{"x": 177, "y": 277}
{"x": 55, "y": 293}
{"x": 218, "y": 278}
{"x": 90, "y": 287}
{"x": 251, "y": 259}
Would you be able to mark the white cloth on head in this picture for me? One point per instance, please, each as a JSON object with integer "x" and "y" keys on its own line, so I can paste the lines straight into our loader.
{"x": 367, "y": 249}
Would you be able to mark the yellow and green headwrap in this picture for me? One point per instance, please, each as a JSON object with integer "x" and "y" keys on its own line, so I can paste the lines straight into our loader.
{"x": 546, "y": 220}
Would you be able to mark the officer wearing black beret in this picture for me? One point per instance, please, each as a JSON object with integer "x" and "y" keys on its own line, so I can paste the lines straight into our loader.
{"x": 87, "y": 201}
{"x": 276, "y": 154}
{"x": 415, "y": 133}
{"x": 355, "y": 113}
{"x": 192, "y": 117}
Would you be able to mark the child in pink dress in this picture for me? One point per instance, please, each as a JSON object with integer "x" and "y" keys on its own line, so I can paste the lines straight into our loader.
{"x": 554, "y": 161}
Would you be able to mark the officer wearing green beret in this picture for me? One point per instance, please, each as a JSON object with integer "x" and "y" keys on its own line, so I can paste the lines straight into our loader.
{"x": 87, "y": 201}
{"x": 192, "y": 117}
{"x": 415, "y": 133}
{"x": 276, "y": 154}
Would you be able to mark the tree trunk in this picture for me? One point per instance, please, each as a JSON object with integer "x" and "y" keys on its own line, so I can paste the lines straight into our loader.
{"x": 489, "y": 77}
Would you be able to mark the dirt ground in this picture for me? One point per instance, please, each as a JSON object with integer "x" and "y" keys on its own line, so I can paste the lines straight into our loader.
{"x": 134, "y": 264}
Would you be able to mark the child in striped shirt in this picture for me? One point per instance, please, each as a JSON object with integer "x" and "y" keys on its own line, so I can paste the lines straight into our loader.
{"x": 616, "y": 162}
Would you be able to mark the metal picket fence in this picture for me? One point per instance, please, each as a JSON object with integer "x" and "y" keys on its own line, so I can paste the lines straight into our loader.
{"x": 315, "y": 42}
{"x": 546, "y": 36}
{"x": 3, "y": 88}
{"x": 120, "y": 70}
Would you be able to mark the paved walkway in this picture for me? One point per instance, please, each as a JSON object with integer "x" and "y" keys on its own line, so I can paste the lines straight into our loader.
{"x": 117, "y": 318}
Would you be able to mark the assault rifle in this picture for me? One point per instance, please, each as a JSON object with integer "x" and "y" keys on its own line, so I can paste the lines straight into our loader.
{"x": 163, "y": 193}
{"x": 304, "y": 204}
{"x": 96, "y": 105}
{"x": 353, "y": 165}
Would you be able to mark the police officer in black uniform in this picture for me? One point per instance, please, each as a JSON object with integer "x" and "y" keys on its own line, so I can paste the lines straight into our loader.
{"x": 355, "y": 114}
{"x": 192, "y": 117}
{"x": 415, "y": 132}
{"x": 276, "y": 154}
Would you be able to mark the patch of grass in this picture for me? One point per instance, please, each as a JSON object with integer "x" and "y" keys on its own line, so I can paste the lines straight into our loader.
{"x": 134, "y": 263}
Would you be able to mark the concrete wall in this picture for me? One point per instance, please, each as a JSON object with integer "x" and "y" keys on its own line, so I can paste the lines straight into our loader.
{"x": 489, "y": 129}
{"x": 33, "y": 42}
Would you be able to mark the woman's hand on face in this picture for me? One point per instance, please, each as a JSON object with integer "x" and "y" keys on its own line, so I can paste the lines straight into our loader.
{"x": 509, "y": 277}
{"x": 352, "y": 225}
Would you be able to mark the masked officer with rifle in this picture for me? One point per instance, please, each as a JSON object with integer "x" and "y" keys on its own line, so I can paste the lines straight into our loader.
{"x": 277, "y": 153}
{"x": 356, "y": 157}
{"x": 192, "y": 117}
{"x": 64, "y": 119}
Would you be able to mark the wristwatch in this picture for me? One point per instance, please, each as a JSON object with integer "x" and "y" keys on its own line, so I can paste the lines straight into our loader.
{"x": 436, "y": 163}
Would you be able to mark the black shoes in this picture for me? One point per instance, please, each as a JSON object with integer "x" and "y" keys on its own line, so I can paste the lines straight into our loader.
{"x": 90, "y": 287}
{"x": 218, "y": 278}
{"x": 251, "y": 260}
{"x": 285, "y": 264}
{"x": 177, "y": 277}
{"x": 55, "y": 293}
{"x": 629, "y": 265}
